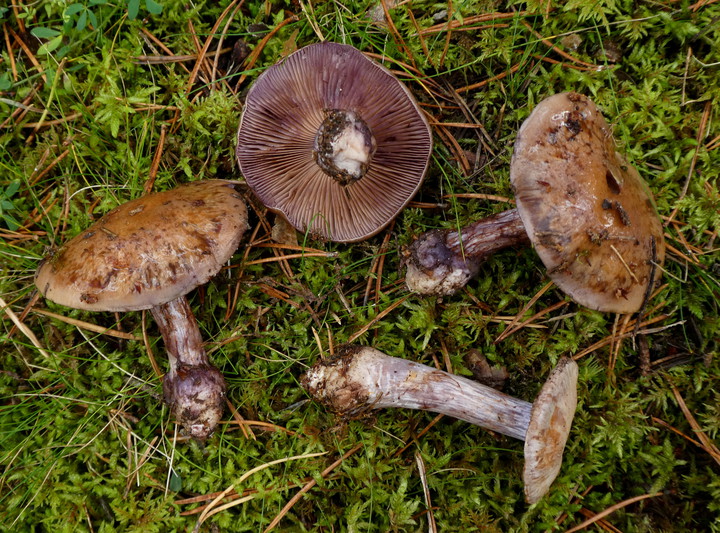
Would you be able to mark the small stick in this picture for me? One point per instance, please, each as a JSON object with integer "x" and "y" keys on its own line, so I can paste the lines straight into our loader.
{"x": 513, "y": 326}
{"x": 11, "y": 55}
{"x": 559, "y": 51}
{"x": 23, "y": 328}
{"x": 88, "y": 325}
{"x": 29, "y": 53}
{"x": 289, "y": 505}
{"x": 432, "y": 525}
{"x": 150, "y": 182}
{"x": 379, "y": 317}
{"x": 707, "y": 444}
{"x": 611, "y": 510}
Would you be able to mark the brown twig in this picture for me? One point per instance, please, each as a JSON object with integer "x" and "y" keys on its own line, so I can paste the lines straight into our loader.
{"x": 560, "y": 51}
{"x": 480, "y": 196}
{"x": 290, "y": 256}
{"x": 163, "y": 60}
{"x": 611, "y": 510}
{"x": 459, "y": 24}
{"x": 23, "y": 328}
{"x": 683, "y": 435}
{"x": 213, "y": 507}
{"x": 88, "y": 325}
{"x": 203, "y": 51}
{"x": 218, "y": 49}
{"x": 397, "y": 37}
{"x": 20, "y": 112}
{"x": 512, "y": 70}
{"x": 617, "y": 341}
{"x": 455, "y": 148}
{"x": 379, "y": 317}
{"x": 707, "y": 444}
{"x": 524, "y": 310}
{"x": 566, "y": 65}
{"x": 11, "y": 55}
{"x": 381, "y": 262}
{"x": 240, "y": 421}
{"x": 418, "y": 436}
{"x": 432, "y": 525}
{"x": 448, "y": 34}
{"x": 421, "y": 38}
{"x": 289, "y": 505}
{"x": 510, "y": 330}
{"x": 148, "y": 349}
{"x": 150, "y": 182}
{"x": 201, "y": 56}
{"x": 28, "y": 53}
{"x": 255, "y": 54}
{"x": 35, "y": 178}
{"x": 698, "y": 140}
{"x": 55, "y": 122}
{"x": 609, "y": 339}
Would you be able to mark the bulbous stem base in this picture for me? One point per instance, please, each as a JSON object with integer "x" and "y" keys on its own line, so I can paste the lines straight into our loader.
{"x": 441, "y": 262}
{"x": 193, "y": 388}
{"x": 196, "y": 397}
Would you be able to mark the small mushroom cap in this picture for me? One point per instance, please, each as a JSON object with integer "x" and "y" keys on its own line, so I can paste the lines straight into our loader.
{"x": 586, "y": 210}
{"x": 148, "y": 251}
{"x": 284, "y": 109}
{"x": 550, "y": 420}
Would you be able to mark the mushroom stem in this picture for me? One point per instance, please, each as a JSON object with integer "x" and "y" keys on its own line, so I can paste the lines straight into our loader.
{"x": 441, "y": 262}
{"x": 363, "y": 378}
{"x": 179, "y": 329}
{"x": 193, "y": 388}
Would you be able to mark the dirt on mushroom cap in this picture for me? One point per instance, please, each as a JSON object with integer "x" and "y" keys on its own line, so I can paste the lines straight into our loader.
{"x": 588, "y": 213}
{"x": 148, "y": 251}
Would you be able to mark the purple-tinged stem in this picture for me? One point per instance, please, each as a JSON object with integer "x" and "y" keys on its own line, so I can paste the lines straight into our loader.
{"x": 441, "y": 262}
{"x": 363, "y": 378}
{"x": 193, "y": 388}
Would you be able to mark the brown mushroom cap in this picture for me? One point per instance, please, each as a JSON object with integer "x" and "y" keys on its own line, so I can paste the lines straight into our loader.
{"x": 586, "y": 210}
{"x": 279, "y": 131}
{"x": 148, "y": 251}
{"x": 550, "y": 420}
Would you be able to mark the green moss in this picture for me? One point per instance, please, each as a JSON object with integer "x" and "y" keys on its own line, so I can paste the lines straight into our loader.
{"x": 85, "y": 443}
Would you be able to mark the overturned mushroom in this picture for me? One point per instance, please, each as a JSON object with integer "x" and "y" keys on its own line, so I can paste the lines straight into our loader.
{"x": 363, "y": 378}
{"x": 333, "y": 141}
{"x": 585, "y": 209}
{"x": 147, "y": 254}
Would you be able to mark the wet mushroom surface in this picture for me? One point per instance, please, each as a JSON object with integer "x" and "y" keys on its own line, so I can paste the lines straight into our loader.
{"x": 333, "y": 141}
{"x": 589, "y": 214}
{"x": 148, "y": 254}
{"x": 584, "y": 208}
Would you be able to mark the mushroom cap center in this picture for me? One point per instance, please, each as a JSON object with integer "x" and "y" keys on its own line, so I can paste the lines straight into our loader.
{"x": 344, "y": 146}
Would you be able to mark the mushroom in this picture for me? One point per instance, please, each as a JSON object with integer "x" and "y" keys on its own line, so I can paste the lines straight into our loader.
{"x": 362, "y": 378}
{"x": 148, "y": 254}
{"x": 333, "y": 141}
{"x": 585, "y": 209}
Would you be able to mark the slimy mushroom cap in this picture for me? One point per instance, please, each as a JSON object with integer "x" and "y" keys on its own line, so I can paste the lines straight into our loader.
{"x": 148, "y": 251}
{"x": 589, "y": 215}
